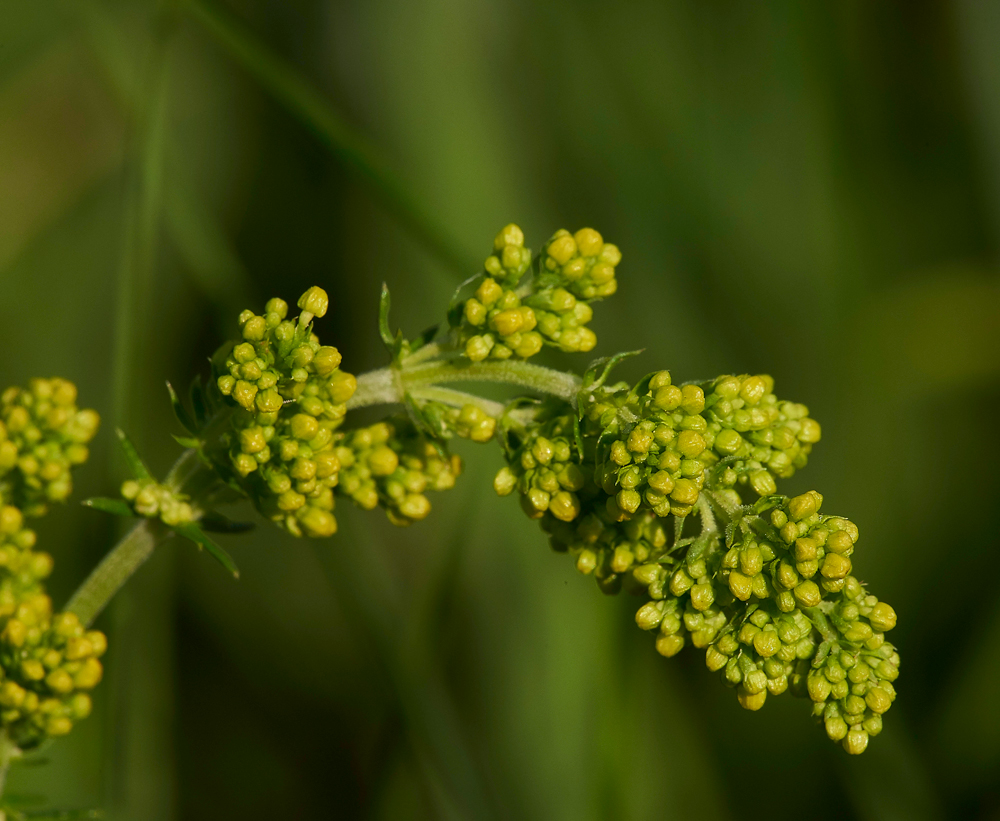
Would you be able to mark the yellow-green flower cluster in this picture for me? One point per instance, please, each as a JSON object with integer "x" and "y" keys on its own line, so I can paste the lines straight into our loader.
{"x": 760, "y": 437}
{"x": 392, "y": 464}
{"x": 292, "y": 397}
{"x": 48, "y": 663}
{"x": 467, "y": 422}
{"x": 149, "y": 498}
{"x": 584, "y": 262}
{"x": 43, "y": 435}
{"x": 546, "y": 472}
{"x": 770, "y": 598}
{"x": 503, "y": 327}
{"x": 851, "y": 689}
{"x": 778, "y": 610}
{"x": 658, "y": 445}
{"x": 510, "y": 316}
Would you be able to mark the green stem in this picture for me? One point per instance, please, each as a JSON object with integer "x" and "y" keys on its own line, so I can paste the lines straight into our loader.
{"x": 458, "y": 399}
{"x": 8, "y": 752}
{"x": 387, "y": 385}
{"x": 115, "y": 569}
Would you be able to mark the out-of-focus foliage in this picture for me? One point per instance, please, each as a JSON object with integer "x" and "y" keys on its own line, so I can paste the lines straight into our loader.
{"x": 806, "y": 189}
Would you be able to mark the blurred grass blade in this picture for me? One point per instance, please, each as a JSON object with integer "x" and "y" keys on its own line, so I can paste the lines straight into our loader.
{"x": 135, "y": 463}
{"x": 313, "y": 110}
{"x": 213, "y": 265}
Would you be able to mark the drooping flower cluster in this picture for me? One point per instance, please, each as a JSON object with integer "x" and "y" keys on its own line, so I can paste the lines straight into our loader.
{"x": 770, "y": 596}
{"x": 513, "y": 316}
{"x": 48, "y": 661}
{"x": 43, "y": 436}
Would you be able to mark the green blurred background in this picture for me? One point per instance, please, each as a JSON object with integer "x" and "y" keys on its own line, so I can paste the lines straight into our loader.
{"x": 806, "y": 189}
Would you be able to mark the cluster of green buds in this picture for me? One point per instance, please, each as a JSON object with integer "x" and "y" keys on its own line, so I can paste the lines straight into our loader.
{"x": 770, "y": 597}
{"x": 467, "y": 422}
{"x": 43, "y": 436}
{"x": 48, "y": 662}
{"x": 152, "y": 499}
{"x": 514, "y": 315}
{"x": 659, "y": 441}
{"x": 291, "y": 397}
{"x": 393, "y": 464}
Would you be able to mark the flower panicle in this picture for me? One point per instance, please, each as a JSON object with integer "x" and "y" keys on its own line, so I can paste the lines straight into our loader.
{"x": 764, "y": 588}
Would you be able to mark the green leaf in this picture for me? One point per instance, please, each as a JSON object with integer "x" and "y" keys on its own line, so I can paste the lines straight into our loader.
{"x": 422, "y": 424}
{"x": 64, "y": 815}
{"x": 139, "y": 470}
{"x": 215, "y": 522}
{"x": 181, "y": 412}
{"x": 114, "y": 506}
{"x": 578, "y": 437}
{"x": 383, "y": 319}
{"x": 193, "y": 533}
{"x": 592, "y": 381}
{"x": 425, "y": 338}
{"x": 188, "y": 442}
{"x": 456, "y": 298}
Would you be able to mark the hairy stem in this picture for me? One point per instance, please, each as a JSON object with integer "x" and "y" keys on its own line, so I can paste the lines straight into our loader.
{"x": 387, "y": 385}
{"x": 115, "y": 569}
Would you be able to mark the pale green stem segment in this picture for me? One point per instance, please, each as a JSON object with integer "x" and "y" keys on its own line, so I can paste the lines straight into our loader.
{"x": 387, "y": 385}
{"x": 115, "y": 569}
{"x": 458, "y": 399}
{"x": 8, "y": 752}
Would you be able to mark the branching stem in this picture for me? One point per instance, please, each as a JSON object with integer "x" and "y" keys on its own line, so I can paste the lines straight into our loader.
{"x": 387, "y": 385}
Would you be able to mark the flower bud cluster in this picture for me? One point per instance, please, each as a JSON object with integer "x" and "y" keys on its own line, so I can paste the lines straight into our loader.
{"x": 546, "y": 472}
{"x": 659, "y": 443}
{"x": 767, "y": 604}
{"x": 392, "y": 464}
{"x": 773, "y": 602}
{"x": 43, "y": 435}
{"x": 48, "y": 662}
{"x": 149, "y": 498}
{"x": 506, "y": 317}
{"x": 291, "y": 397}
{"x": 583, "y": 262}
{"x": 852, "y": 688}
{"x": 468, "y": 422}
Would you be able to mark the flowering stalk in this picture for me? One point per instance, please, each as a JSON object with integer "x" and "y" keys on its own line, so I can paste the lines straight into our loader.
{"x": 662, "y": 490}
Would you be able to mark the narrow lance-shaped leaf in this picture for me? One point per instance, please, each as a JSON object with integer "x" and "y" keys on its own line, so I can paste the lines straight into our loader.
{"x": 114, "y": 506}
{"x": 215, "y": 522}
{"x": 181, "y": 412}
{"x": 194, "y": 533}
{"x": 135, "y": 463}
{"x": 383, "y": 318}
{"x": 197, "y": 395}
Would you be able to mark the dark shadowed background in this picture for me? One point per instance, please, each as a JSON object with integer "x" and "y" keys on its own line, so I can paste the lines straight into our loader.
{"x": 806, "y": 189}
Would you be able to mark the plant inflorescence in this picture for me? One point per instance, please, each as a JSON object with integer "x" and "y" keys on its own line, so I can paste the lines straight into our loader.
{"x": 663, "y": 490}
